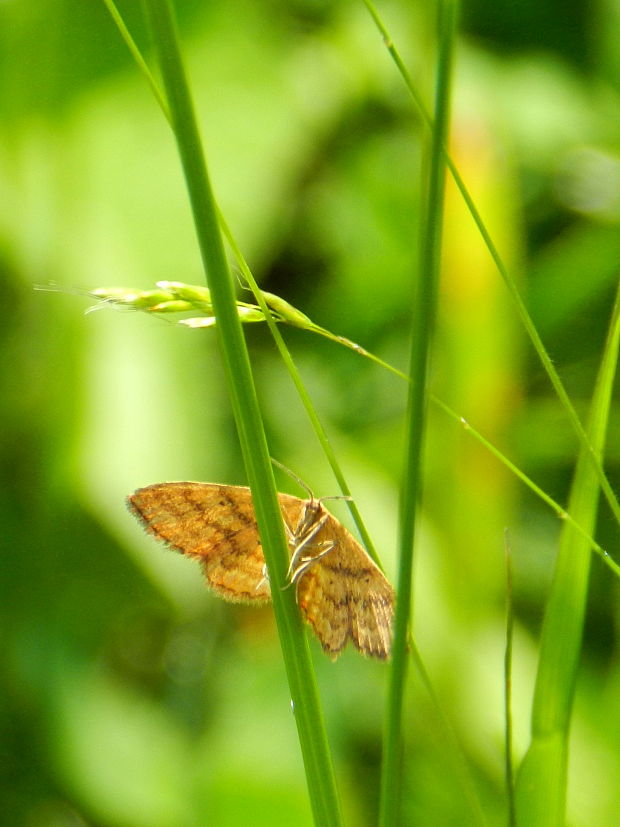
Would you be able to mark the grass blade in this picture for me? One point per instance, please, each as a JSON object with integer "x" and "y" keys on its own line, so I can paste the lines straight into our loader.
{"x": 541, "y": 783}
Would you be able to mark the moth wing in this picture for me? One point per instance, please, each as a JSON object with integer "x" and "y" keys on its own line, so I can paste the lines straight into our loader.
{"x": 291, "y": 508}
{"x": 213, "y": 523}
{"x": 322, "y": 606}
{"x": 345, "y": 595}
{"x": 372, "y": 617}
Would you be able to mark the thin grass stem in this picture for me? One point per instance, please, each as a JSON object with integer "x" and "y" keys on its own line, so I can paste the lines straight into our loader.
{"x": 424, "y": 312}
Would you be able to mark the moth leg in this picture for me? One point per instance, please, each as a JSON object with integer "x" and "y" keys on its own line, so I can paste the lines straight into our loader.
{"x": 304, "y": 563}
{"x": 291, "y": 539}
{"x": 290, "y": 534}
{"x": 300, "y": 544}
{"x": 264, "y": 579}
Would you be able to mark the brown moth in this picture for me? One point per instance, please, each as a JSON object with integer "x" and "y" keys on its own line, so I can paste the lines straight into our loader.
{"x": 341, "y": 592}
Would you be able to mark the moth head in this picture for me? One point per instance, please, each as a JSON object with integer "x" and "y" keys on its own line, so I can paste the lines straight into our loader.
{"x": 310, "y": 513}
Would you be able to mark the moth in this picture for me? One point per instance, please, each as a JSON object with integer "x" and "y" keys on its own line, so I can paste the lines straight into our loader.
{"x": 340, "y": 591}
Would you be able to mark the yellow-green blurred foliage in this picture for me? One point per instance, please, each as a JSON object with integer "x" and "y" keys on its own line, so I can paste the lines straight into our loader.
{"x": 131, "y": 696}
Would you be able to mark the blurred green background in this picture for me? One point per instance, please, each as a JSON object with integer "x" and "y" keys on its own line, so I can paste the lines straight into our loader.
{"x": 130, "y": 695}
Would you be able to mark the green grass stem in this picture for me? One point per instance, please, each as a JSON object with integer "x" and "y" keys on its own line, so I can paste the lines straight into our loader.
{"x": 302, "y": 682}
{"x": 424, "y": 313}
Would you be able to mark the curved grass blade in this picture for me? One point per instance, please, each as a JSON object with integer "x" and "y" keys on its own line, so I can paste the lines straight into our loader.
{"x": 542, "y": 779}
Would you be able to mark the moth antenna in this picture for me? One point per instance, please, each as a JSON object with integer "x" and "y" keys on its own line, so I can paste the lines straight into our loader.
{"x": 306, "y": 487}
{"x": 293, "y": 476}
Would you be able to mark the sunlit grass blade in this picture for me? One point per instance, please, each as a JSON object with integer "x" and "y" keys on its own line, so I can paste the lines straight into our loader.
{"x": 541, "y": 783}
{"x": 302, "y": 683}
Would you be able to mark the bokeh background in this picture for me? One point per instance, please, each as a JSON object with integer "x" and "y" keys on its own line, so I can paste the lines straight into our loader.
{"x": 130, "y": 695}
